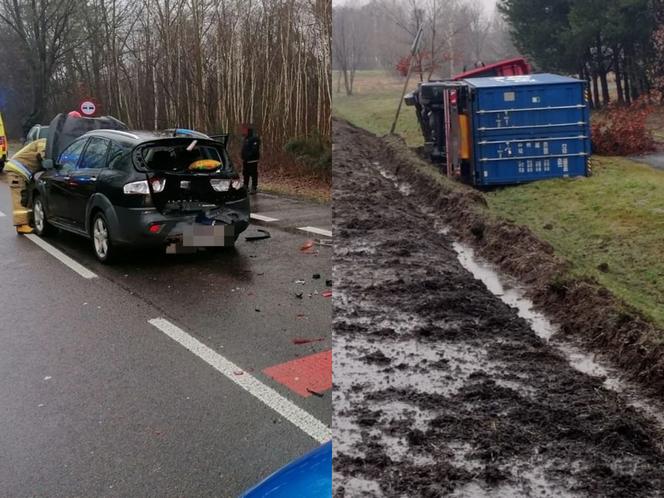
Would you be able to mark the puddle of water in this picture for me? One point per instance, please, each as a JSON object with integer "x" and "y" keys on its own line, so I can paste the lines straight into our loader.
{"x": 405, "y": 188}
{"x": 577, "y": 358}
{"x": 529, "y": 480}
{"x": 362, "y": 488}
{"x": 357, "y": 246}
{"x": 512, "y": 296}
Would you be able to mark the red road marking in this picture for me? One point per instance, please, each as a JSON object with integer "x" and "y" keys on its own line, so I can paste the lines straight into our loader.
{"x": 311, "y": 373}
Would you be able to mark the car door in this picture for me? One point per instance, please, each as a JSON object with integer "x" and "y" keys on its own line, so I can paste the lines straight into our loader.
{"x": 57, "y": 188}
{"x": 83, "y": 181}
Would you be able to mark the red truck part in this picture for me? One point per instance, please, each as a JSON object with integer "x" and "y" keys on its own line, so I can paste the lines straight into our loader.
{"x": 508, "y": 67}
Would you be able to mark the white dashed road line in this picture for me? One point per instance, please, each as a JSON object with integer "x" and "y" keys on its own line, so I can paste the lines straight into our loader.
{"x": 261, "y": 217}
{"x": 319, "y": 231}
{"x": 287, "y": 409}
{"x": 62, "y": 257}
{"x": 2, "y": 215}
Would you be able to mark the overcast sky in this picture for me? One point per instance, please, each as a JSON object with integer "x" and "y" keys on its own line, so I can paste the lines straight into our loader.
{"x": 489, "y": 5}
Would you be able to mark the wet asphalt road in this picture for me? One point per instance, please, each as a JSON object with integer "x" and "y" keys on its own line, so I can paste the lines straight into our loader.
{"x": 96, "y": 401}
{"x": 656, "y": 159}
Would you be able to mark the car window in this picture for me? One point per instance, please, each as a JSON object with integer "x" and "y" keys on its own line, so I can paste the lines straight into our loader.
{"x": 95, "y": 154}
{"x": 117, "y": 157}
{"x": 43, "y": 132}
{"x": 69, "y": 157}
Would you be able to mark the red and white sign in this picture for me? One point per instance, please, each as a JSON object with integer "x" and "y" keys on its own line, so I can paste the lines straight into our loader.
{"x": 88, "y": 108}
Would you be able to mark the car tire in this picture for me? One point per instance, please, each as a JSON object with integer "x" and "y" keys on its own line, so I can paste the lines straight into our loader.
{"x": 39, "y": 221}
{"x": 102, "y": 245}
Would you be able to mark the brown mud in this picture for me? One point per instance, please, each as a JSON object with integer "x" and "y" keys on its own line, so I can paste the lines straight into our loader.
{"x": 441, "y": 389}
{"x": 586, "y": 312}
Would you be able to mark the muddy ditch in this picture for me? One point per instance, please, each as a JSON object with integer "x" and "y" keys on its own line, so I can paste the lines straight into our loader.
{"x": 586, "y": 311}
{"x": 440, "y": 387}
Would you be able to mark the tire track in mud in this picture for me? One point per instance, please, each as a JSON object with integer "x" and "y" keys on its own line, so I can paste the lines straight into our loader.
{"x": 440, "y": 388}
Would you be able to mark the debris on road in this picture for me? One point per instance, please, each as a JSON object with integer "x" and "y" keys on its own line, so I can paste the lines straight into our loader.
{"x": 307, "y": 246}
{"x": 315, "y": 393}
{"x": 327, "y": 293}
{"x": 316, "y": 276}
{"x": 299, "y": 294}
{"x": 303, "y": 340}
{"x": 264, "y": 234}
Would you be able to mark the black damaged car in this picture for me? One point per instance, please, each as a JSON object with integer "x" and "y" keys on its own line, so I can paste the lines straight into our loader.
{"x": 124, "y": 188}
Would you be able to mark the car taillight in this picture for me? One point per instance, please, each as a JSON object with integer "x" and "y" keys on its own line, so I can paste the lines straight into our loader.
{"x": 141, "y": 187}
{"x": 220, "y": 185}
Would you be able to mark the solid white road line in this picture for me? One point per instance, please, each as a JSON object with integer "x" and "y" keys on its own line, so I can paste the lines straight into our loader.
{"x": 287, "y": 409}
{"x": 2, "y": 215}
{"x": 62, "y": 257}
{"x": 260, "y": 217}
{"x": 319, "y": 231}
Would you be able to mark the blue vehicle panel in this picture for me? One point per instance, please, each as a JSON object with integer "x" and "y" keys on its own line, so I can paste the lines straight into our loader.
{"x": 528, "y": 127}
{"x": 307, "y": 477}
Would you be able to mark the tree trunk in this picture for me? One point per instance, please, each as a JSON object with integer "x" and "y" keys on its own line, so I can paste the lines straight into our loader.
{"x": 606, "y": 98}
{"x": 596, "y": 102}
{"x": 617, "y": 72}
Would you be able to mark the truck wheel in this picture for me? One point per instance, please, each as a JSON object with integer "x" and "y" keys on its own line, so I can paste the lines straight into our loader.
{"x": 41, "y": 224}
{"x": 101, "y": 239}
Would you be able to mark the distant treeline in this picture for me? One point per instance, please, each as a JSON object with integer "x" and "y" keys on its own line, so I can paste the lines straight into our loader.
{"x": 204, "y": 64}
{"x": 457, "y": 35}
{"x": 594, "y": 39}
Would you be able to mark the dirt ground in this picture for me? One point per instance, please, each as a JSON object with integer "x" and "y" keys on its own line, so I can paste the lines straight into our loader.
{"x": 441, "y": 389}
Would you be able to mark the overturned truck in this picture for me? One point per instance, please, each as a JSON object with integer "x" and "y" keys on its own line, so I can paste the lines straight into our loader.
{"x": 499, "y": 125}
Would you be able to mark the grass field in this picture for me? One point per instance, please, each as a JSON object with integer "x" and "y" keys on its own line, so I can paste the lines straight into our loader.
{"x": 374, "y": 102}
{"x": 613, "y": 220}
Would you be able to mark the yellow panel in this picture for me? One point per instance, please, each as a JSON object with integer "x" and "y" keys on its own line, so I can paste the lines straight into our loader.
{"x": 464, "y": 143}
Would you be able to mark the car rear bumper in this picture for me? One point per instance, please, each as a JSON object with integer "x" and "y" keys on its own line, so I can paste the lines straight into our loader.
{"x": 220, "y": 227}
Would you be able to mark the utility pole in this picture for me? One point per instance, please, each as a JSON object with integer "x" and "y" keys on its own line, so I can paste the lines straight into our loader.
{"x": 413, "y": 51}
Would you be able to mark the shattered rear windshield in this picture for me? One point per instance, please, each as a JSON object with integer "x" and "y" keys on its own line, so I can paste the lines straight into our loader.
{"x": 183, "y": 156}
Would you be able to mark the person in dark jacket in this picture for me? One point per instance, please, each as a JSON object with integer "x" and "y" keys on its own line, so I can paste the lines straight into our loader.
{"x": 251, "y": 153}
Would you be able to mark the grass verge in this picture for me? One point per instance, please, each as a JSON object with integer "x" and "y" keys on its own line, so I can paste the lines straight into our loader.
{"x": 373, "y": 105}
{"x": 311, "y": 190}
{"x": 610, "y": 227}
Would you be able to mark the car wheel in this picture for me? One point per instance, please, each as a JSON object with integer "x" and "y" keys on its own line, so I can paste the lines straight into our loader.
{"x": 41, "y": 224}
{"x": 101, "y": 239}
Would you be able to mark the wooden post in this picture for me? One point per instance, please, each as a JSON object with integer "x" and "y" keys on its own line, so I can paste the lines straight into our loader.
{"x": 413, "y": 51}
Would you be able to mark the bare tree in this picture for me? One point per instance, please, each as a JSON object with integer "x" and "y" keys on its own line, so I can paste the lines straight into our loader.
{"x": 45, "y": 30}
{"x": 205, "y": 64}
{"x": 349, "y": 44}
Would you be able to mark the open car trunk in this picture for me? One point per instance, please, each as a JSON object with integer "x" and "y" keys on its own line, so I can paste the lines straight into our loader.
{"x": 188, "y": 175}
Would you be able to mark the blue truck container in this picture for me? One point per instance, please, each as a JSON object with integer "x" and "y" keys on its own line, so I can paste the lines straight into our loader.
{"x": 526, "y": 128}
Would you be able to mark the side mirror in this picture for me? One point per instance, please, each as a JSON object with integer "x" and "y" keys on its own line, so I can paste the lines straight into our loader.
{"x": 48, "y": 164}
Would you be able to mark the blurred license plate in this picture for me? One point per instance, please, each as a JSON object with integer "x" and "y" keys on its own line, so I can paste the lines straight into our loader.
{"x": 199, "y": 235}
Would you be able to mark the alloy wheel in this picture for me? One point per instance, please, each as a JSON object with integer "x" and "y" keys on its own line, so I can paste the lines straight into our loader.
{"x": 100, "y": 236}
{"x": 38, "y": 213}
